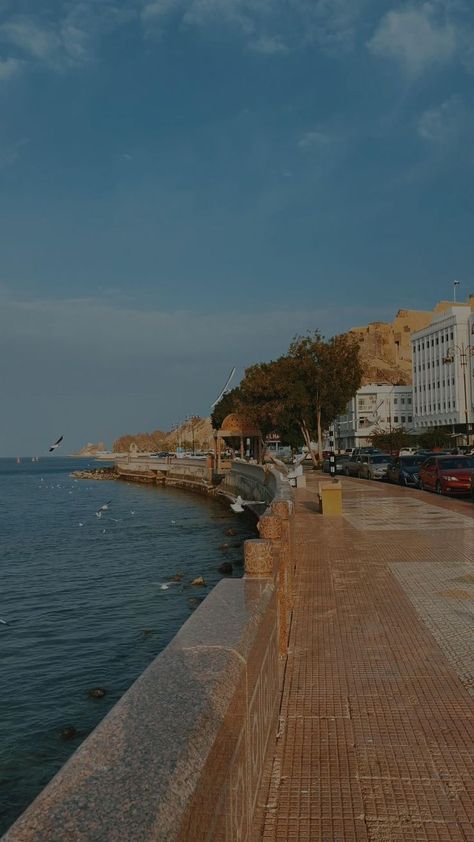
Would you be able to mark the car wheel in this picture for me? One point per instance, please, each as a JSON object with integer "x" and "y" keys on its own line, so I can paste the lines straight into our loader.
{"x": 421, "y": 485}
{"x": 403, "y": 481}
{"x": 438, "y": 488}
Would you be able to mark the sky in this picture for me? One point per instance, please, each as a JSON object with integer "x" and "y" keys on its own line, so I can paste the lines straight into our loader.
{"x": 187, "y": 184}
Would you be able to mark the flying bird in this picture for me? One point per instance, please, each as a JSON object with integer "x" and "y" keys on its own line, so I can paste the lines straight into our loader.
{"x": 102, "y": 508}
{"x": 238, "y": 505}
{"x": 225, "y": 389}
{"x": 56, "y": 444}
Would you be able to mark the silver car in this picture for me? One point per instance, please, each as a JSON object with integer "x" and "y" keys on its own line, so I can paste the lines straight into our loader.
{"x": 375, "y": 467}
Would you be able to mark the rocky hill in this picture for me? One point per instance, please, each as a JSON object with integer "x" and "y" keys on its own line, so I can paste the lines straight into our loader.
{"x": 91, "y": 449}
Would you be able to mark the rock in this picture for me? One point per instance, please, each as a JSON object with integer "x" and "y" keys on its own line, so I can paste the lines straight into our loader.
{"x": 223, "y": 547}
{"x": 199, "y": 582}
{"x": 226, "y": 568}
{"x": 194, "y": 601}
{"x": 177, "y": 577}
{"x": 96, "y": 693}
{"x": 230, "y": 532}
{"x": 68, "y": 733}
{"x": 147, "y": 632}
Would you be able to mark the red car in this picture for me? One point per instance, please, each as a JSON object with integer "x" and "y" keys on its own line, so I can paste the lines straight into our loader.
{"x": 447, "y": 474}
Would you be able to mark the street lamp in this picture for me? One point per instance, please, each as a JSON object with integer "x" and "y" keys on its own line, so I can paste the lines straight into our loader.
{"x": 464, "y": 351}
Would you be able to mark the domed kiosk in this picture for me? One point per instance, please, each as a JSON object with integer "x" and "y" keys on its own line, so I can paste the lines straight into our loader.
{"x": 241, "y": 436}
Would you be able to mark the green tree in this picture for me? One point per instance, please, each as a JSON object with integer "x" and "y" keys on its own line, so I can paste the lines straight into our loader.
{"x": 305, "y": 389}
{"x": 436, "y": 437}
{"x": 393, "y": 440}
{"x": 227, "y": 404}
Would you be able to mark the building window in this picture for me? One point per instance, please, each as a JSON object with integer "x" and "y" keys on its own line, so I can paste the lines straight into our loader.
{"x": 403, "y": 417}
{"x": 395, "y": 419}
{"x": 437, "y": 341}
{"x": 410, "y": 419}
{"x": 451, "y": 335}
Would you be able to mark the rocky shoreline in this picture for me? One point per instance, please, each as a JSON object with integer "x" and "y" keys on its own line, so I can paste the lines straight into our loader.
{"x": 96, "y": 473}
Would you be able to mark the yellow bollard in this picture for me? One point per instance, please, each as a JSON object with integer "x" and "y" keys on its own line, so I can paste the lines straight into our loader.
{"x": 330, "y": 497}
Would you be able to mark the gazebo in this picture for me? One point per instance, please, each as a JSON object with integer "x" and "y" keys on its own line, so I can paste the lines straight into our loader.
{"x": 239, "y": 434}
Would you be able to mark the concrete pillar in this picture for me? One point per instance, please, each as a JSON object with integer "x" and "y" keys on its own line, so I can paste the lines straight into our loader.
{"x": 272, "y": 528}
{"x": 258, "y": 557}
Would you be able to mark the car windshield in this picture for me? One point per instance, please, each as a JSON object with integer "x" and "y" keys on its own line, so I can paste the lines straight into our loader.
{"x": 457, "y": 463}
{"x": 411, "y": 461}
{"x": 381, "y": 458}
{"x": 342, "y": 458}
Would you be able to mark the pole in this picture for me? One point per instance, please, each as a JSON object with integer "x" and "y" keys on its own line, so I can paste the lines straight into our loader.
{"x": 463, "y": 356}
{"x": 455, "y": 284}
{"x": 332, "y": 455}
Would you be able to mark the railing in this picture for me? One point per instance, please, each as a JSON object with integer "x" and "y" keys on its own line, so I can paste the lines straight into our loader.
{"x": 180, "y": 757}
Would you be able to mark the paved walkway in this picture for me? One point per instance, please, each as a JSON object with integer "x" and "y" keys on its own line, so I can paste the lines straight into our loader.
{"x": 377, "y": 722}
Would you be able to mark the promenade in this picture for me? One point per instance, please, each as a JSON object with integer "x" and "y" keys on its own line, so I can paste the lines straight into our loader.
{"x": 376, "y": 736}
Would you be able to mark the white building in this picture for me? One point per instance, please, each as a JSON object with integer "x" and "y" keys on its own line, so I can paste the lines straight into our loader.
{"x": 378, "y": 407}
{"x": 442, "y": 371}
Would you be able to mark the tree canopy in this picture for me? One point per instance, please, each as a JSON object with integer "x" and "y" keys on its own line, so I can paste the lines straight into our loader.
{"x": 305, "y": 389}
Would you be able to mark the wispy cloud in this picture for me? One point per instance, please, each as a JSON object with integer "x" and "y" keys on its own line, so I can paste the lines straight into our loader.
{"x": 66, "y": 40}
{"x": 447, "y": 122}
{"x": 9, "y": 67}
{"x": 314, "y": 140}
{"x": 270, "y": 27}
{"x": 418, "y": 38}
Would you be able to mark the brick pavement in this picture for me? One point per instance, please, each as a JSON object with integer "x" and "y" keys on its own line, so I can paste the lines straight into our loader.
{"x": 376, "y": 737}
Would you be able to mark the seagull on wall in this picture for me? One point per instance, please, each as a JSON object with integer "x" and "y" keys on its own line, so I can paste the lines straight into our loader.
{"x": 239, "y": 504}
{"x": 56, "y": 444}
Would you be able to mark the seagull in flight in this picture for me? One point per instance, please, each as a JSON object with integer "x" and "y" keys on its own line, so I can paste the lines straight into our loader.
{"x": 102, "y": 508}
{"x": 56, "y": 444}
{"x": 238, "y": 505}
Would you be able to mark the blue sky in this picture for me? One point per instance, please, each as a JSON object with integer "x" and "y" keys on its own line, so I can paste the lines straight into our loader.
{"x": 185, "y": 184}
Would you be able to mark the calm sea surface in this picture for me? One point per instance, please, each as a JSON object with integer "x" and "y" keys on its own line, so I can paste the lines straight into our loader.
{"x": 85, "y": 604}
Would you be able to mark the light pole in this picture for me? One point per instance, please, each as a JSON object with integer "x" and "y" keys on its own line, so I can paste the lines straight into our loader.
{"x": 465, "y": 352}
{"x": 455, "y": 285}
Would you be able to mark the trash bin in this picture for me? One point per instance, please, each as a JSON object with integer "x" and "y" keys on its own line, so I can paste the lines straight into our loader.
{"x": 330, "y": 497}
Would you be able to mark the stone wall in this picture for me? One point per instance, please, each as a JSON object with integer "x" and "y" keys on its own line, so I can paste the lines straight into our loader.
{"x": 180, "y": 757}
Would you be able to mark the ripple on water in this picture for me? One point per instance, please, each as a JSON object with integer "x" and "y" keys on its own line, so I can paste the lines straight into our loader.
{"x": 85, "y": 608}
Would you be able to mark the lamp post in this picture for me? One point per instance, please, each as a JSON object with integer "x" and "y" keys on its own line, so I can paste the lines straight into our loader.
{"x": 464, "y": 352}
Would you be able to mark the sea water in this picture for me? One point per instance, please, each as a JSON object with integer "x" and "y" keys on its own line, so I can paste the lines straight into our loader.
{"x": 89, "y": 602}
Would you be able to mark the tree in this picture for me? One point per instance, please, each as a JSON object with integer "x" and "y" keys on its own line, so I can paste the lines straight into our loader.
{"x": 227, "y": 404}
{"x": 329, "y": 373}
{"x": 393, "y": 440}
{"x": 435, "y": 437}
{"x": 306, "y": 388}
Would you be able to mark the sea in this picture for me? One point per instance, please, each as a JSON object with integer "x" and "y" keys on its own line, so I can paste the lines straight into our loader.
{"x": 89, "y": 601}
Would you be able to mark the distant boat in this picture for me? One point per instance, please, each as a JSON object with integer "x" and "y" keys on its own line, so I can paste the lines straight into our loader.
{"x": 18, "y": 460}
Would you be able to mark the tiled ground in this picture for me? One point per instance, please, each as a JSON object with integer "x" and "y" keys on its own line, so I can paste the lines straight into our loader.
{"x": 377, "y": 722}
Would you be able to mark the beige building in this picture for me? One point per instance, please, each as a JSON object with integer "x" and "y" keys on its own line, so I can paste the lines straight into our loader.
{"x": 386, "y": 347}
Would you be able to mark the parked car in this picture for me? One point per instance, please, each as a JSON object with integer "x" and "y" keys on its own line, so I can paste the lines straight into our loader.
{"x": 375, "y": 467}
{"x": 353, "y": 465}
{"x": 341, "y": 460}
{"x": 363, "y": 451}
{"x": 447, "y": 474}
{"x": 405, "y": 470}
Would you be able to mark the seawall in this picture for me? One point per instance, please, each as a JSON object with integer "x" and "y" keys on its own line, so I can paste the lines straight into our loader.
{"x": 181, "y": 755}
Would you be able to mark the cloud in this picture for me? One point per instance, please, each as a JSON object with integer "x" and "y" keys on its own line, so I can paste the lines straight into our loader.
{"x": 9, "y": 67}
{"x": 269, "y": 27}
{"x": 268, "y": 45}
{"x": 314, "y": 139}
{"x": 417, "y": 38}
{"x": 10, "y": 153}
{"x": 446, "y": 122}
{"x": 69, "y": 39}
